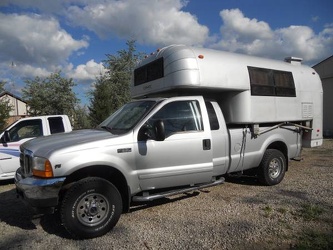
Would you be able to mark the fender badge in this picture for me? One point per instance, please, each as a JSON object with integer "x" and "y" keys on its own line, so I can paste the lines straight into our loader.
{"x": 124, "y": 150}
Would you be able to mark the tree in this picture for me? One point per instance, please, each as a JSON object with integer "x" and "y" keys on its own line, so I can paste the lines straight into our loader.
{"x": 81, "y": 119}
{"x": 5, "y": 108}
{"x": 112, "y": 90}
{"x": 52, "y": 95}
{"x": 100, "y": 101}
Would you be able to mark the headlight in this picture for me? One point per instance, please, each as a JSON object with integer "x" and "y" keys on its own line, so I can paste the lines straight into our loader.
{"x": 42, "y": 167}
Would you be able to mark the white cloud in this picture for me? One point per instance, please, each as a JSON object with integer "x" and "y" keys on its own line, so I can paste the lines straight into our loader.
{"x": 86, "y": 72}
{"x": 35, "y": 40}
{"x": 28, "y": 70}
{"x": 35, "y": 44}
{"x": 240, "y": 27}
{"x": 148, "y": 22}
{"x": 250, "y": 36}
{"x": 39, "y": 45}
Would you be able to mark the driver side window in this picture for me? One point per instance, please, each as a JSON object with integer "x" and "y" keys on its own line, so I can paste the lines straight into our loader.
{"x": 179, "y": 117}
{"x": 26, "y": 129}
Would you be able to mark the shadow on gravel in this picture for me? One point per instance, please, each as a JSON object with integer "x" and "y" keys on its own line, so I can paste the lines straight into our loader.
{"x": 15, "y": 241}
{"x": 52, "y": 225}
{"x": 6, "y": 182}
{"x": 243, "y": 180}
{"x": 14, "y": 212}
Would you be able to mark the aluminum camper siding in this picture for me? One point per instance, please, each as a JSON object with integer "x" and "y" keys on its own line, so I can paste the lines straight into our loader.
{"x": 227, "y": 74}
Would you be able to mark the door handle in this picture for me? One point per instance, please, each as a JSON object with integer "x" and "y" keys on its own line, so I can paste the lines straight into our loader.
{"x": 206, "y": 144}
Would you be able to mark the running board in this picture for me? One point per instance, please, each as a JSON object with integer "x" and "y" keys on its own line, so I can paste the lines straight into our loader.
{"x": 146, "y": 197}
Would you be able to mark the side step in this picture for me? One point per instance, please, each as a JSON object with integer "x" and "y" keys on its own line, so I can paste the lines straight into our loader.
{"x": 146, "y": 197}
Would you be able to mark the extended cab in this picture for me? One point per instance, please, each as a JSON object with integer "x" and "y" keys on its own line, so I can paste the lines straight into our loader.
{"x": 23, "y": 130}
{"x": 198, "y": 115}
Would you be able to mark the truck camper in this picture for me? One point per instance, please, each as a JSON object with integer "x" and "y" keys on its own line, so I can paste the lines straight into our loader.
{"x": 197, "y": 116}
{"x": 250, "y": 90}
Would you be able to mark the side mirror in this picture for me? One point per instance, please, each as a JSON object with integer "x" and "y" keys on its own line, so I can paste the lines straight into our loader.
{"x": 144, "y": 133}
{"x": 159, "y": 130}
{"x": 5, "y": 137}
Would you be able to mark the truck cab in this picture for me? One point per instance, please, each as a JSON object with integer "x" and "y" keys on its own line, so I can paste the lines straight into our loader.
{"x": 21, "y": 131}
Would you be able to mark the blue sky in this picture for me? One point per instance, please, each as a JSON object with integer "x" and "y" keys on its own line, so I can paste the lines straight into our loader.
{"x": 38, "y": 37}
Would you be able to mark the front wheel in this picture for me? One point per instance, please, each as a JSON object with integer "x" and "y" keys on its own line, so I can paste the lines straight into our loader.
{"x": 91, "y": 208}
{"x": 272, "y": 167}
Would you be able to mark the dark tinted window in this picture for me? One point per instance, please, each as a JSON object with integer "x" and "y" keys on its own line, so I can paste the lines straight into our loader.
{"x": 56, "y": 125}
{"x": 213, "y": 121}
{"x": 268, "y": 82}
{"x": 149, "y": 72}
{"x": 284, "y": 83}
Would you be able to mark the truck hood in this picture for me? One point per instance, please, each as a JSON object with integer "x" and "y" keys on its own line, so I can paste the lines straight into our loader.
{"x": 43, "y": 146}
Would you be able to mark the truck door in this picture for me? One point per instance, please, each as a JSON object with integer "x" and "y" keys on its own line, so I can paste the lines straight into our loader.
{"x": 184, "y": 157}
{"x": 9, "y": 149}
{"x": 220, "y": 145}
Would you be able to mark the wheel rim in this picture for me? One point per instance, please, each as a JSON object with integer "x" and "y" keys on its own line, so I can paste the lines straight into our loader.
{"x": 92, "y": 209}
{"x": 275, "y": 168}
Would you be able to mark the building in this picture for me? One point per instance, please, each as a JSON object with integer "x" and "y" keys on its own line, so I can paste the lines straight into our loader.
{"x": 325, "y": 71}
{"x": 19, "y": 107}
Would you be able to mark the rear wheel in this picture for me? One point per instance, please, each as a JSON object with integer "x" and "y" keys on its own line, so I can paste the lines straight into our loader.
{"x": 91, "y": 208}
{"x": 272, "y": 167}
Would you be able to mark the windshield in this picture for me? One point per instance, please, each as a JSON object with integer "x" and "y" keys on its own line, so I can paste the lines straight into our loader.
{"x": 125, "y": 118}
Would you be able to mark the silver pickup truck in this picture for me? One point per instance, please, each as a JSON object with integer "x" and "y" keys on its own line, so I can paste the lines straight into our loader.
{"x": 148, "y": 149}
{"x": 200, "y": 114}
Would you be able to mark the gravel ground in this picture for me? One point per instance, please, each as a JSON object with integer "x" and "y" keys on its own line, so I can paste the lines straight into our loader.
{"x": 240, "y": 214}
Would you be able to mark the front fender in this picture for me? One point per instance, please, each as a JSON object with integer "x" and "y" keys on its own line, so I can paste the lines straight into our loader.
{"x": 121, "y": 160}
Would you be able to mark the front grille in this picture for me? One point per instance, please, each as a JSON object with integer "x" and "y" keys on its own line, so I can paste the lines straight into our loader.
{"x": 26, "y": 157}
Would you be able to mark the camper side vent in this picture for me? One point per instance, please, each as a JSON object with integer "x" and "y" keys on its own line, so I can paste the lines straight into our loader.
{"x": 307, "y": 110}
{"x": 293, "y": 60}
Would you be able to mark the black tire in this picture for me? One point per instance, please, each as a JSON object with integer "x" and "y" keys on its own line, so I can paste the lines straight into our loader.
{"x": 272, "y": 167}
{"x": 91, "y": 208}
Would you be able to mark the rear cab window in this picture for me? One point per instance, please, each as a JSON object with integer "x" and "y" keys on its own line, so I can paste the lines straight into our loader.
{"x": 56, "y": 125}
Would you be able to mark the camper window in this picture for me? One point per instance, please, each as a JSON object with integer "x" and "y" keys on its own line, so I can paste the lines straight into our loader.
{"x": 284, "y": 83}
{"x": 149, "y": 72}
{"x": 268, "y": 82}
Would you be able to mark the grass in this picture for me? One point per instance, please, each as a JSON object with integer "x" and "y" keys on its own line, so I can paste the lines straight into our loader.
{"x": 308, "y": 239}
{"x": 310, "y": 212}
{"x": 282, "y": 210}
{"x": 311, "y": 240}
{"x": 268, "y": 211}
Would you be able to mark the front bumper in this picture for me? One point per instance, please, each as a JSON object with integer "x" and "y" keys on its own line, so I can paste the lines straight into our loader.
{"x": 38, "y": 193}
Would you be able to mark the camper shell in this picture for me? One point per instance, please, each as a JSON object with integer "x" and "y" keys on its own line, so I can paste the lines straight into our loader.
{"x": 250, "y": 90}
